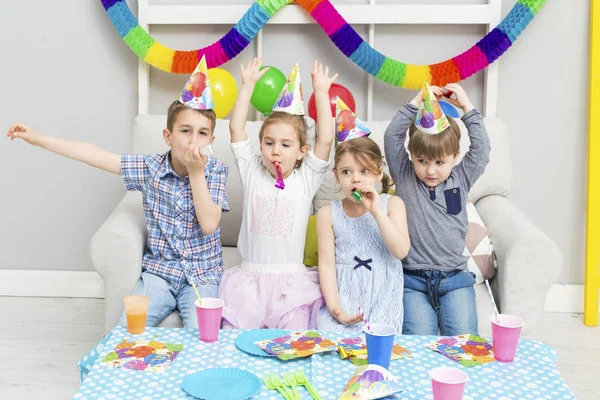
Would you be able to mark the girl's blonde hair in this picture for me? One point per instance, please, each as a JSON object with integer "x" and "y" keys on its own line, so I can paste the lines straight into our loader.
{"x": 434, "y": 147}
{"x": 296, "y": 121}
{"x": 368, "y": 154}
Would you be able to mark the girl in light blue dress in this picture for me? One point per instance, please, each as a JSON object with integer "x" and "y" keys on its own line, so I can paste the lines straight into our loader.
{"x": 361, "y": 240}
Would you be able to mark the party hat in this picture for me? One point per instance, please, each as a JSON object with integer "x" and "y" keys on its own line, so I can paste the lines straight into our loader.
{"x": 197, "y": 93}
{"x": 290, "y": 99}
{"x": 371, "y": 382}
{"x": 347, "y": 125}
{"x": 430, "y": 118}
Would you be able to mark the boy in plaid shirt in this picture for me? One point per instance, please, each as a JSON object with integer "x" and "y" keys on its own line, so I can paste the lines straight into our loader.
{"x": 183, "y": 196}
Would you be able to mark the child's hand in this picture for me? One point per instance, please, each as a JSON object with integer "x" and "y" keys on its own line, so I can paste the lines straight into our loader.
{"x": 252, "y": 72}
{"x": 193, "y": 159}
{"x": 418, "y": 99}
{"x": 462, "y": 100}
{"x": 370, "y": 199}
{"x": 22, "y": 131}
{"x": 344, "y": 318}
{"x": 438, "y": 92}
{"x": 320, "y": 79}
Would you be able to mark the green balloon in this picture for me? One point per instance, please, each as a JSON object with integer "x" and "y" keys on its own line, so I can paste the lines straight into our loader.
{"x": 267, "y": 90}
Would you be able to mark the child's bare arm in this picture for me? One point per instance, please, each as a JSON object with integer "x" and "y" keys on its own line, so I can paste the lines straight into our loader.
{"x": 327, "y": 268}
{"x": 250, "y": 75}
{"x": 78, "y": 151}
{"x": 394, "y": 227}
{"x": 321, "y": 83}
{"x": 207, "y": 212}
{"x": 326, "y": 251}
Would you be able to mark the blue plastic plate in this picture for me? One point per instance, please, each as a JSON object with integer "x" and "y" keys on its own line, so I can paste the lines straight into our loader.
{"x": 245, "y": 341}
{"x": 222, "y": 384}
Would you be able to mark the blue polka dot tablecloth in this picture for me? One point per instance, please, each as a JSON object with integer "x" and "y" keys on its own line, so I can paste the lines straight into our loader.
{"x": 533, "y": 374}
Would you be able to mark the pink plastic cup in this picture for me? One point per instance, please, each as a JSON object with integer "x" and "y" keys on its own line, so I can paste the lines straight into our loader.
{"x": 448, "y": 383}
{"x": 209, "y": 318}
{"x": 505, "y": 336}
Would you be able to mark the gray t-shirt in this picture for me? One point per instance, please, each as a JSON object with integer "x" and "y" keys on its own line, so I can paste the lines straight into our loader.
{"x": 437, "y": 217}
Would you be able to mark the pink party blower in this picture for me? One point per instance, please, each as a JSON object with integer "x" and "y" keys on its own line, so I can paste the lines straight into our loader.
{"x": 448, "y": 383}
{"x": 279, "y": 184}
{"x": 505, "y": 336}
{"x": 209, "y": 318}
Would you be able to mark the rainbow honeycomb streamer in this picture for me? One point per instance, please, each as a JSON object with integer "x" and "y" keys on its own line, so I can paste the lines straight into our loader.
{"x": 343, "y": 36}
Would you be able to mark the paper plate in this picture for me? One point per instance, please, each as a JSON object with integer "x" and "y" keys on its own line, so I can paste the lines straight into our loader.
{"x": 245, "y": 341}
{"x": 222, "y": 384}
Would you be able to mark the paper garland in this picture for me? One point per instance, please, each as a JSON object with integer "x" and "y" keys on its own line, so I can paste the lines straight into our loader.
{"x": 345, "y": 38}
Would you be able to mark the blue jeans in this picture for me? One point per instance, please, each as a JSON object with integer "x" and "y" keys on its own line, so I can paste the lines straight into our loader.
{"x": 163, "y": 301}
{"x": 435, "y": 299}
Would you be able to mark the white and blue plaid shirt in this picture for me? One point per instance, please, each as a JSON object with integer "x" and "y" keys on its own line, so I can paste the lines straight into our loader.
{"x": 177, "y": 249}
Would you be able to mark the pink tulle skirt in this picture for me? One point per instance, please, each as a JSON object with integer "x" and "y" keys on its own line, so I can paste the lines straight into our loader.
{"x": 270, "y": 296}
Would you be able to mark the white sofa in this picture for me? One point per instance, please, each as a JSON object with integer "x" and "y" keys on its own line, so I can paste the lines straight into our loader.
{"x": 528, "y": 261}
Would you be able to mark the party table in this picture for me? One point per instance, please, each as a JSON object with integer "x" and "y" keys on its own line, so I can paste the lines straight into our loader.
{"x": 533, "y": 374}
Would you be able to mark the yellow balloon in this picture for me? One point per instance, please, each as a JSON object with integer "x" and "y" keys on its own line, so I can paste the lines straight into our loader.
{"x": 224, "y": 90}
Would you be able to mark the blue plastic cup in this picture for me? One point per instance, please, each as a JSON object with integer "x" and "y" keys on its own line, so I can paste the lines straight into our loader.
{"x": 379, "y": 344}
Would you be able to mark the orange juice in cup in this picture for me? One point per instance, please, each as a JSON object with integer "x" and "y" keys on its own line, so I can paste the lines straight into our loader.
{"x": 135, "y": 310}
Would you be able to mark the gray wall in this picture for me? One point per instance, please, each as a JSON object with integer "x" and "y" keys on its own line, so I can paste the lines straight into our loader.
{"x": 68, "y": 77}
{"x": 52, "y": 206}
{"x": 544, "y": 100}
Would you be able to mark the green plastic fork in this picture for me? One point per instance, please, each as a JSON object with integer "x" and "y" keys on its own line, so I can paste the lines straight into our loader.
{"x": 301, "y": 379}
{"x": 273, "y": 382}
{"x": 289, "y": 380}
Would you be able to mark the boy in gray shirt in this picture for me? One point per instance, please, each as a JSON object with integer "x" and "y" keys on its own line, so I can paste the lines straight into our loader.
{"x": 438, "y": 288}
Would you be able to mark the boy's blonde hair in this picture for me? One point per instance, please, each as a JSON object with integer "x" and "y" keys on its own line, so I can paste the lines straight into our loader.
{"x": 434, "y": 147}
{"x": 176, "y": 107}
{"x": 368, "y": 154}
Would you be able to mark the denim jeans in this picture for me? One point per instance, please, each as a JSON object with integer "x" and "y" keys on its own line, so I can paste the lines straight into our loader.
{"x": 435, "y": 299}
{"x": 163, "y": 301}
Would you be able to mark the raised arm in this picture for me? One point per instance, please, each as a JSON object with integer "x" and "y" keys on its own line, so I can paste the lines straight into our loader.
{"x": 395, "y": 136}
{"x": 78, "y": 151}
{"x": 476, "y": 159}
{"x": 327, "y": 268}
{"x": 321, "y": 83}
{"x": 250, "y": 75}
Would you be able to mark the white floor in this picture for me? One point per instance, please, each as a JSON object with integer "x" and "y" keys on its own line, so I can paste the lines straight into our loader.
{"x": 45, "y": 337}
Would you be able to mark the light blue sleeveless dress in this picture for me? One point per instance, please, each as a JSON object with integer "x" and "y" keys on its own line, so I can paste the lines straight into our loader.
{"x": 367, "y": 274}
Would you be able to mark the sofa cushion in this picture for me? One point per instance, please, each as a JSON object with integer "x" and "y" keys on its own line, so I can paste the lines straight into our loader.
{"x": 311, "y": 250}
{"x": 231, "y": 258}
{"x": 481, "y": 258}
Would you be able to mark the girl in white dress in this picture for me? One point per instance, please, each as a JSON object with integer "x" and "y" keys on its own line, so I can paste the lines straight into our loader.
{"x": 272, "y": 288}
